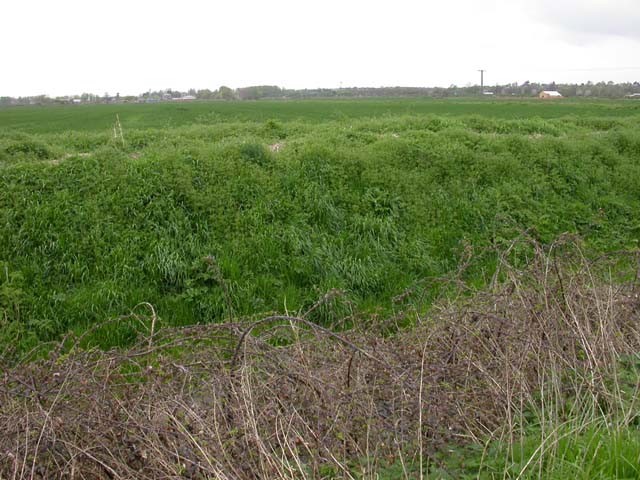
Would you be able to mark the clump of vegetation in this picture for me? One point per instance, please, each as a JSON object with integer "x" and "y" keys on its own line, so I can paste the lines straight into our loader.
{"x": 28, "y": 148}
{"x": 255, "y": 153}
{"x": 367, "y": 205}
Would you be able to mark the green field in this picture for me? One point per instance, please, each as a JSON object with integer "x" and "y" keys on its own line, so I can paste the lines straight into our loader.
{"x": 170, "y": 115}
{"x": 218, "y": 211}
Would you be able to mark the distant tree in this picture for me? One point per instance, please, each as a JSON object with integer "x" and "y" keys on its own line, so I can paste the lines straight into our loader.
{"x": 225, "y": 93}
{"x": 266, "y": 91}
{"x": 204, "y": 94}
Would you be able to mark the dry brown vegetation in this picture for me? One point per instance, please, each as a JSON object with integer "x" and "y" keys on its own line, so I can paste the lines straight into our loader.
{"x": 284, "y": 398}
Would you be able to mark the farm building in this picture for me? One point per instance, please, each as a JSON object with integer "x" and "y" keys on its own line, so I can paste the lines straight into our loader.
{"x": 550, "y": 94}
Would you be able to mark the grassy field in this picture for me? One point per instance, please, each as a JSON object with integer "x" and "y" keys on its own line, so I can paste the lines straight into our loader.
{"x": 92, "y": 226}
{"x": 170, "y": 115}
{"x": 216, "y": 211}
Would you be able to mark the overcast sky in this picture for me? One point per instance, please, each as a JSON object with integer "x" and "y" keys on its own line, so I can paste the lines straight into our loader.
{"x": 72, "y": 46}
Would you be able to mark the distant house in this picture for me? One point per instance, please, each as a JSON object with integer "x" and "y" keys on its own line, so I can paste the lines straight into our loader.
{"x": 488, "y": 93}
{"x": 186, "y": 98}
{"x": 633, "y": 95}
{"x": 550, "y": 94}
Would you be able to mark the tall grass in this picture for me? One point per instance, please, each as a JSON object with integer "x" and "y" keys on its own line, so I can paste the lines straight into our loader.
{"x": 370, "y": 206}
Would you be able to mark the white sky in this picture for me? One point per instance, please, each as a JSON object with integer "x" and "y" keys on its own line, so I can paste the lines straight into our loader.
{"x": 60, "y": 47}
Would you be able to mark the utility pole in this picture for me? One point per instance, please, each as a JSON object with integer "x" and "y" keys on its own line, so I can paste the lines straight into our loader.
{"x": 482, "y": 80}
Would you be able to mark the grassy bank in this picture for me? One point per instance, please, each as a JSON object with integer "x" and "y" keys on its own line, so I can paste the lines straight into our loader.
{"x": 364, "y": 289}
{"x": 210, "y": 222}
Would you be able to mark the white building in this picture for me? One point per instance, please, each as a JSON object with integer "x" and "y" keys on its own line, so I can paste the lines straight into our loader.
{"x": 550, "y": 94}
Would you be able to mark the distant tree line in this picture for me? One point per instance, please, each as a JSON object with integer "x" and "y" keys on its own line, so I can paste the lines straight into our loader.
{"x": 526, "y": 89}
{"x": 257, "y": 92}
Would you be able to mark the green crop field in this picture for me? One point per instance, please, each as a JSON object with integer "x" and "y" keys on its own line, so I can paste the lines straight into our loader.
{"x": 170, "y": 115}
{"x": 218, "y": 211}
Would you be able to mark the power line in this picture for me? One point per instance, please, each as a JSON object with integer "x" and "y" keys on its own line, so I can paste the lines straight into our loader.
{"x": 602, "y": 69}
{"x": 587, "y": 69}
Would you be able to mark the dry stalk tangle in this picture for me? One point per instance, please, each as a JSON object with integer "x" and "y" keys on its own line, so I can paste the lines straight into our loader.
{"x": 282, "y": 397}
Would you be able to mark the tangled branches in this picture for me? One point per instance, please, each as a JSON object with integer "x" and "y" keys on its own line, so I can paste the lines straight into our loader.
{"x": 283, "y": 397}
